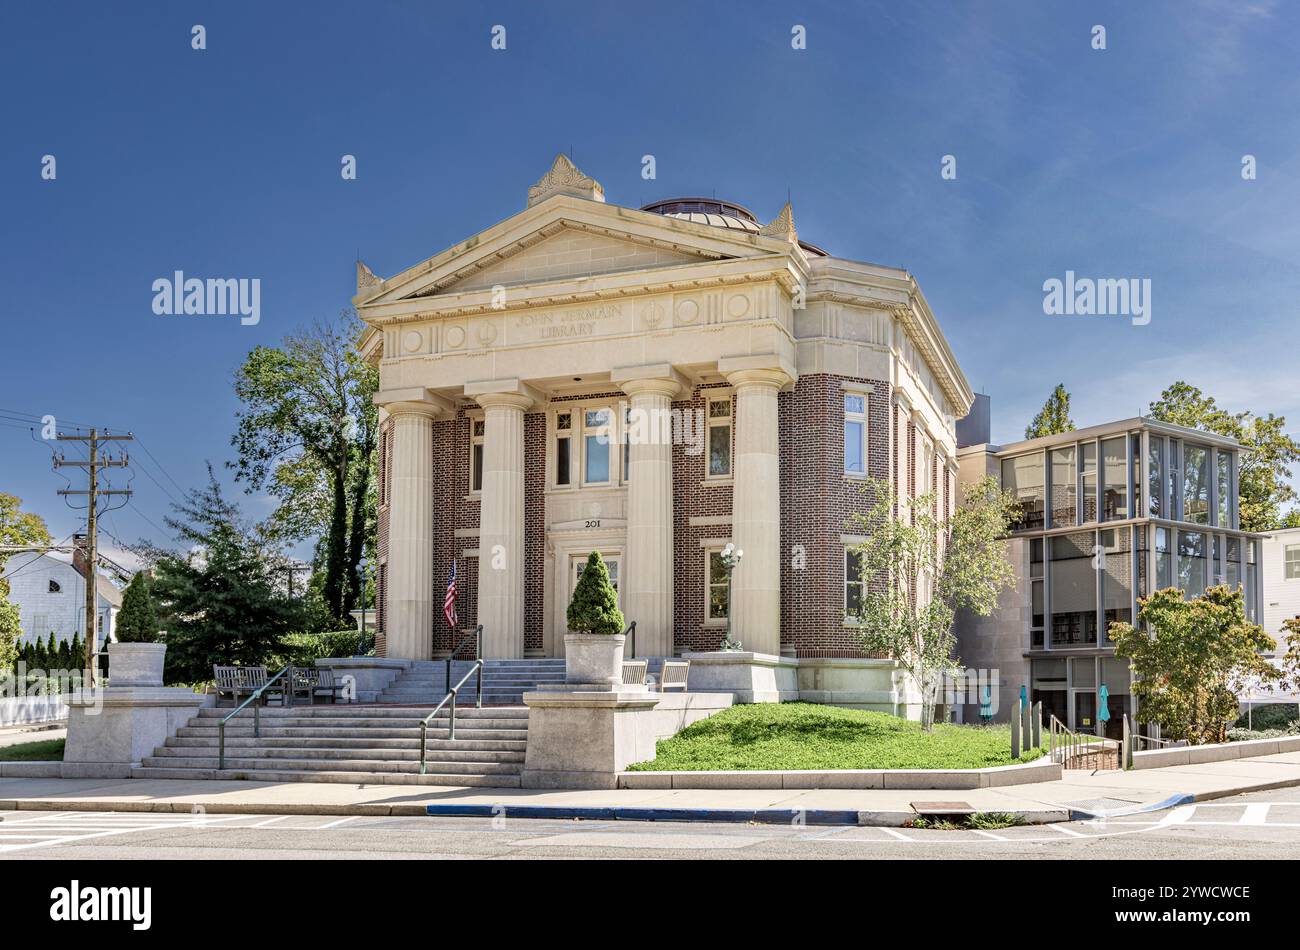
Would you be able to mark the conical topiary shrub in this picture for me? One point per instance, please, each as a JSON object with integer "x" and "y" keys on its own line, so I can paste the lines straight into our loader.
{"x": 594, "y": 608}
{"x": 137, "y": 621}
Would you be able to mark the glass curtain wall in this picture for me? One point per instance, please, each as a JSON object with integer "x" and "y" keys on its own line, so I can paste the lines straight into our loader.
{"x": 1023, "y": 477}
{"x": 1072, "y": 584}
{"x": 1063, "y": 486}
{"x": 1114, "y": 456}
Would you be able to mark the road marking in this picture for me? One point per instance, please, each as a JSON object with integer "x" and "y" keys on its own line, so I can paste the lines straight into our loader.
{"x": 1068, "y": 831}
{"x": 335, "y": 824}
{"x": 896, "y": 834}
{"x": 989, "y": 834}
{"x": 271, "y": 821}
{"x": 1256, "y": 814}
{"x": 1178, "y": 816}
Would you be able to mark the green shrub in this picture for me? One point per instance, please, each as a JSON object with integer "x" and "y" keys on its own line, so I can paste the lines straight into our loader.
{"x": 594, "y": 608}
{"x": 1269, "y": 716}
{"x": 1245, "y": 735}
{"x": 138, "y": 620}
{"x": 304, "y": 649}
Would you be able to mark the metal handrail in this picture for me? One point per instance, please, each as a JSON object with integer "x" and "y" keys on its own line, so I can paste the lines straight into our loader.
{"x": 451, "y": 720}
{"x": 257, "y": 715}
{"x": 1072, "y": 744}
{"x": 1158, "y": 743}
{"x": 477, "y": 637}
{"x": 631, "y": 632}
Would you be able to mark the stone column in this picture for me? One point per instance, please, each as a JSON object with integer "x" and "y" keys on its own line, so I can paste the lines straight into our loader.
{"x": 501, "y": 518}
{"x": 409, "y": 621}
{"x": 756, "y": 505}
{"x": 647, "y": 582}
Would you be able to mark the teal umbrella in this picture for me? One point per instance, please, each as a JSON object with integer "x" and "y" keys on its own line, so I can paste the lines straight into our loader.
{"x": 1103, "y": 713}
{"x": 1024, "y": 696}
{"x": 986, "y": 705}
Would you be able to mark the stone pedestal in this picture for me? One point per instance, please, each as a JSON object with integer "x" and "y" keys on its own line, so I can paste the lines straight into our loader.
{"x": 371, "y": 675}
{"x": 749, "y": 677}
{"x": 136, "y": 664}
{"x": 112, "y": 729}
{"x": 584, "y": 739}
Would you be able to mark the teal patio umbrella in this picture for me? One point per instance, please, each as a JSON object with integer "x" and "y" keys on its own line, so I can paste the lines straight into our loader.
{"x": 986, "y": 706}
{"x": 1103, "y": 703}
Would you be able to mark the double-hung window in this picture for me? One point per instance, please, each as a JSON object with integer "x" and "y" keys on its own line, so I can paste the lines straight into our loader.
{"x": 477, "y": 428}
{"x": 719, "y": 436}
{"x": 852, "y": 584}
{"x": 563, "y": 448}
{"x": 717, "y": 596}
{"x": 855, "y": 433}
{"x": 1291, "y": 562}
{"x": 597, "y": 439}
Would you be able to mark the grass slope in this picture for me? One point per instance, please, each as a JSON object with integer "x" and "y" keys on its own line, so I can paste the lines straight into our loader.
{"x": 47, "y": 750}
{"x": 801, "y": 736}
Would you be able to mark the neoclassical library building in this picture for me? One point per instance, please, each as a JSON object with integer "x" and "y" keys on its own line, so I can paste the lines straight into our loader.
{"x": 650, "y": 383}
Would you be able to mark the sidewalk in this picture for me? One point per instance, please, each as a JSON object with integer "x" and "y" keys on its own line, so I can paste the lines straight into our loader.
{"x": 1080, "y": 796}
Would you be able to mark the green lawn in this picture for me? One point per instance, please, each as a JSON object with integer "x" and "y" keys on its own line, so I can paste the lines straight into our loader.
{"x": 808, "y": 736}
{"x": 47, "y": 750}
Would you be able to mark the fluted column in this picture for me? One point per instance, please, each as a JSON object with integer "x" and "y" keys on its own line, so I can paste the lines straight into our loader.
{"x": 409, "y": 620}
{"x": 647, "y": 582}
{"x": 501, "y": 524}
{"x": 756, "y": 510}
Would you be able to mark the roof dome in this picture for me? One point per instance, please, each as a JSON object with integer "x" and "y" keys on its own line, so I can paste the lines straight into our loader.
{"x": 717, "y": 213}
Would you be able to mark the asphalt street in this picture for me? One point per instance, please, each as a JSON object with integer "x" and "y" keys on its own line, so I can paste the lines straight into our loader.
{"x": 1258, "y": 825}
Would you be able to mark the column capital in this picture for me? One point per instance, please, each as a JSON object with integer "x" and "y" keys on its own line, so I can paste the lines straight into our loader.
{"x": 656, "y": 379}
{"x": 503, "y": 392}
{"x": 413, "y": 400}
{"x": 768, "y": 369}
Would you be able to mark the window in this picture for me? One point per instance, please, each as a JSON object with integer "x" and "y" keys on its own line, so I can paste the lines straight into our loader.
{"x": 719, "y": 411}
{"x": 1175, "y": 487}
{"x": 1117, "y": 577}
{"x": 563, "y": 447}
{"x": 1023, "y": 477}
{"x": 1088, "y": 473}
{"x": 715, "y": 582}
{"x": 924, "y": 467}
{"x": 1063, "y": 487}
{"x": 596, "y": 445}
{"x": 1155, "y": 476}
{"x": 1073, "y": 590}
{"x": 1291, "y": 562}
{"x": 1114, "y": 459}
{"x": 1223, "y": 462}
{"x": 55, "y": 588}
{"x": 1135, "y": 458}
{"x": 1192, "y": 562}
{"x": 1036, "y": 593}
{"x": 852, "y": 583}
{"x": 1232, "y": 572}
{"x": 477, "y": 427}
{"x": 627, "y": 444}
{"x": 1164, "y": 560}
{"x": 855, "y": 434}
{"x": 1196, "y": 484}
{"x": 1251, "y": 578}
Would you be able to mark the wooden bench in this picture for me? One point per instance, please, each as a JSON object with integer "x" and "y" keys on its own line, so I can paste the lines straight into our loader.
{"x": 327, "y": 685}
{"x": 634, "y": 672}
{"x": 239, "y": 681}
{"x": 673, "y": 675}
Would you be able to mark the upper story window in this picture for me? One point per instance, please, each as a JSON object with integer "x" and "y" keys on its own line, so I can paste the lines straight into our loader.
{"x": 1023, "y": 477}
{"x": 1224, "y": 495}
{"x": 563, "y": 447}
{"x": 719, "y": 419}
{"x": 1196, "y": 484}
{"x": 1156, "y": 477}
{"x": 55, "y": 587}
{"x": 1114, "y": 464}
{"x": 476, "y": 429}
{"x": 717, "y": 596}
{"x": 1291, "y": 562}
{"x": 1063, "y": 487}
{"x": 855, "y": 433}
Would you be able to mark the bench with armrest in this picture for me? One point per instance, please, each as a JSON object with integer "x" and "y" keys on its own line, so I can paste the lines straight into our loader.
{"x": 327, "y": 685}
{"x": 634, "y": 672}
{"x": 673, "y": 675}
{"x": 239, "y": 681}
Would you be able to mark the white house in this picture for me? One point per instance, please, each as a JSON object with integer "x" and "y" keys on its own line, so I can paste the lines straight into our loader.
{"x": 1281, "y": 576}
{"x": 49, "y": 591}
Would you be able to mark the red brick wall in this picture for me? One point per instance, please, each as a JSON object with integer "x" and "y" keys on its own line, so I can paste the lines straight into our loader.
{"x": 534, "y": 530}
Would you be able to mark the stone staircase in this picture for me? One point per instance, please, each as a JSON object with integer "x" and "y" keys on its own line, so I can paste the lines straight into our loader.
{"x": 504, "y": 682}
{"x": 345, "y": 743}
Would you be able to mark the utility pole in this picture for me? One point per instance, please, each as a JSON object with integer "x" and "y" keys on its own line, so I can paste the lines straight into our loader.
{"x": 93, "y": 494}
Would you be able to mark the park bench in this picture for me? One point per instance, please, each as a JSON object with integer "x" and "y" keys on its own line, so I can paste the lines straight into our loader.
{"x": 673, "y": 675}
{"x": 239, "y": 681}
{"x": 634, "y": 672}
{"x": 327, "y": 685}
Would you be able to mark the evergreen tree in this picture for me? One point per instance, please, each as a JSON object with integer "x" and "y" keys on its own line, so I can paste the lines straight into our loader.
{"x": 38, "y": 655}
{"x": 52, "y": 653}
{"x": 594, "y": 608}
{"x": 1054, "y": 417}
{"x": 76, "y": 653}
{"x": 219, "y": 600}
{"x": 138, "y": 620}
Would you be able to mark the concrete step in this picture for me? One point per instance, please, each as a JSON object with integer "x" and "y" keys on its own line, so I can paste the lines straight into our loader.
{"x": 350, "y": 778}
{"x": 327, "y": 713}
{"x": 348, "y": 760}
{"x": 366, "y": 722}
{"x": 462, "y": 732}
{"x": 336, "y": 742}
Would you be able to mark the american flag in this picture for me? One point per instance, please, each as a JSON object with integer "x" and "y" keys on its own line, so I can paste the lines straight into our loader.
{"x": 449, "y": 603}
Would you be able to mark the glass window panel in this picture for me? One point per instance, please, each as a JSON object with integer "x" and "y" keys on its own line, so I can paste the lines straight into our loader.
{"x": 720, "y": 450}
{"x": 717, "y": 587}
{"x": 720, "y": 409}
{"x": 1063, "y": 487}
{"x": 1114, "y": 457}
{"x": 1143, "y": 585}
{"x": 1073, "y": 591}
{"x": 1115, "y": 674}
{"x": 1037, "y": 604}
{"x": 1192, "y": 562}
{"x": 1036, "y": 557}
{"x": 595, "y": 418}
{"x": 564, "y": 421}
{"x": 1088, "y": 469}
{"x": 1291, "y": 562}
{"x": 1083, "y": 672}
{"x": 1155, "y": 477}
{"x": 478, "y": 467}
{"x": 853, "y": 460}
{"x": 479, "y": 427}
{"x": 854, "y": 403}
{"x": 1224, "y": 462}
{"x": 562, "y": 461}
{"x": 1135, "y": 453}
{"x": 1023, "y": 477}
{"x": 1117, "y": 577}
{"x": 597, "y": 459}
{"x": 852, "y": 581}
{"x": 1196, "y": 484}
{"x": 1164, "y": 564}
{"x": 1175, "y": 488}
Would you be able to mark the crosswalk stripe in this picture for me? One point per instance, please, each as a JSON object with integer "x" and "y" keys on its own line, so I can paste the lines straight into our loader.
{"x": 1255, "y": 814}
{"x": 1067, "y": 831}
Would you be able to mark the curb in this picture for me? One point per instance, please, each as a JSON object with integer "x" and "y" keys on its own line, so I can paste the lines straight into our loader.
{"x": 766, "y": 816}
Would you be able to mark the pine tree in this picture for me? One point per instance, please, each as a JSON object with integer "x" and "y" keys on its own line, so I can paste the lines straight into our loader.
{"x": 52, "y": 653}
{"x": 138, "y": 620}
{"x": 1054, "y": 418}
{"x": 77, "y": 653}
{"x": 594, "y": 608}
{"x": 39, "y": 656}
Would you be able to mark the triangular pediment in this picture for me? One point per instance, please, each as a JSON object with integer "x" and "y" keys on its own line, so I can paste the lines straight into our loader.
{"x": 565, "y": 238}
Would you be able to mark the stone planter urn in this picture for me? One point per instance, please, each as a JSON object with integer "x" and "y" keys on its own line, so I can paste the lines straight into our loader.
{"x": 593, "y": 660}
{"x": 136, "y": 664}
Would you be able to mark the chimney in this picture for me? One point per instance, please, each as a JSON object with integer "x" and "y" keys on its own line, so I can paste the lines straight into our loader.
{"x": 976, "y": 428}
{"x": 79, "y": 555}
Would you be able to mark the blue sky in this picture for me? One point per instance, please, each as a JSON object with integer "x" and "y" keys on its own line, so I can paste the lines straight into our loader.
{"x": 225, "y": 162}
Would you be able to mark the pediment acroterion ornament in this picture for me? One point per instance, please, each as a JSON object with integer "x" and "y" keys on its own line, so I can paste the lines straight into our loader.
{"x": 565, "y": 178}
{"x": 782, "y": 226}
{"x": 366, "y": 277}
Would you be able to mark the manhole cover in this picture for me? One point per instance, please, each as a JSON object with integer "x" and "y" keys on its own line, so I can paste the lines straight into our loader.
{"x": 942, "y": 808}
